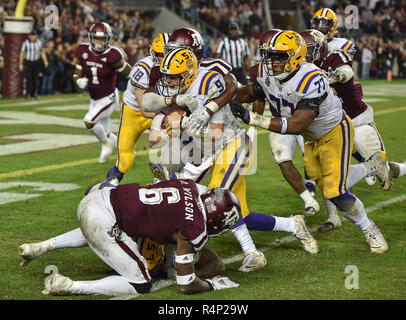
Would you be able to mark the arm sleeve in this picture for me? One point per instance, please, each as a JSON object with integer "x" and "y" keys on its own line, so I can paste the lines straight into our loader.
{"x": 258, "y": 90}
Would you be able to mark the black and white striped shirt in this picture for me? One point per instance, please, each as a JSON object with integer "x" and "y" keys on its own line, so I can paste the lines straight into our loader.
{"x": 233, "y": 51}
{"x": 32, "y": 50}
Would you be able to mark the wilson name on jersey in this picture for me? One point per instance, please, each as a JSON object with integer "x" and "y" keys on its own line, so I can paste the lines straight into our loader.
{"x": 138, "y": 79}
{"x": 309, "y": 82}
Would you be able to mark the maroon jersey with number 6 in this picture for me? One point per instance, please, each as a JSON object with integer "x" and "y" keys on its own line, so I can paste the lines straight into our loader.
{"x": 350, "y": 92}
{"x": 98, "y": 68}
{"x": 158, "y": 211}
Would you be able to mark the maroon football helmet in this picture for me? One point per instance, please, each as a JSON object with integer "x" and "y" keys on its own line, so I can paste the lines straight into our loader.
{"x": 223, "y": 210}
{"x": 264, "y": 40}
{"x": 100, "y": 30}
{"x": 316, "y": 43}
{"x": 186, "y": 38}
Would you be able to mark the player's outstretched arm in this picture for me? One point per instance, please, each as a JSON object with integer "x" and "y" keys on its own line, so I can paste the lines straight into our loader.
{"x": 123, "y": 67}
{"x": 186, "y": 277}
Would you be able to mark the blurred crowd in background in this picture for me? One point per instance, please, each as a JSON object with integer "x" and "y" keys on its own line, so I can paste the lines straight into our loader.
{"x": 379, "y": 40}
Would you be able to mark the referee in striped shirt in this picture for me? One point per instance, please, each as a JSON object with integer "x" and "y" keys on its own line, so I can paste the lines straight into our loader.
{"x": 235, "y": 51}
{"x": 30, "y": 62}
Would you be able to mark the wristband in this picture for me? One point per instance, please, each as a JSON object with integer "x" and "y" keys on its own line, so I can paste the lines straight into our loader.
{"x": 283, "y": 125}
{"x": 212, "y": 107}
{"x": 185, "y": 280}
{"x": 184, "y": 259}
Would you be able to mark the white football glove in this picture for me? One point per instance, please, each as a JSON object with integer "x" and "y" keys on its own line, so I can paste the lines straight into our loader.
{"x": 334, "y": 76}
{"x": 220, "y": 283}
{"x": 186, "y": 100}
{"x": 82, "y": 82}
{"x": 198, "y": 120}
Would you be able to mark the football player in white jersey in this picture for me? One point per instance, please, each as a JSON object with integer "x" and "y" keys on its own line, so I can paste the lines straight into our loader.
{"x": 134, "y": 120}
{"x": 301, "y": 94}
{"x": 325, "y": 20}
{"x": 225, "y": 149}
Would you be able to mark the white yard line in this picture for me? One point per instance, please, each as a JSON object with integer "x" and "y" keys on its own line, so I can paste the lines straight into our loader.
{"x": 160, "y": 284}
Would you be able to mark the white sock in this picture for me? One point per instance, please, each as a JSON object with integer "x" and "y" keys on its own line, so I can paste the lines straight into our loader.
{"x": 332, "y": 215}
{"x": 112, "y": 137}
{"x": 358, "y": 215}
{"x": 357, "y": 172}
{"x": 306, "y": 196}
{"x": 110, "y": 286}
{"x": 244, "y": 238}
{"x": 402, "y": 169}
{"x": 285, "y": 224}
{"x": 71, "y": 239}
{"x": 99, "y": 132}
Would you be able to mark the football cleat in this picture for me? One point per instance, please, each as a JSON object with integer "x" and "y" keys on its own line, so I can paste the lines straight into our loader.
{"x": 394, "y": 170}
{"x": 375, "y": 239}
{"x": 308, "y": 242}
{"x": 253, "y": 260}
{"x": 59, "y": 285}
{"x": 31, "y": 251}
{"x": 107, "y": 150}
{"x": 379, "y": 160}
{"x": 333, "y": 222}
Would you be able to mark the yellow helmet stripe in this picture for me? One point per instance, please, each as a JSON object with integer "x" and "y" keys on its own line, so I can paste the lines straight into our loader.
{"x": 304, "y": 84}
{"x": 205, "y": 83}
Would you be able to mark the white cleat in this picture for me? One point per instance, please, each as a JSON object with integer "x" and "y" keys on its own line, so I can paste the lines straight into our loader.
{"x": 31, "y": 251}
{"x": 311, "y": 208}
{"x": 332, "y": 223}
{"x": 253, "y": 260}
{"x": 375, "y": 239}
{"x": 59, "y": 285}
{"x": 309, "y": 243}
{"x": 380, "y": 161}
{"x": 107, "y": 150}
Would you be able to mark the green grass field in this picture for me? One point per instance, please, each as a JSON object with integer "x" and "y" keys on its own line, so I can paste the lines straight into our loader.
{"x": 45, "y": 180}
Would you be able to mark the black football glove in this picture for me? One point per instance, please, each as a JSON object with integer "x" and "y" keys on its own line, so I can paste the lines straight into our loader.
{"x": 239, "y": 111}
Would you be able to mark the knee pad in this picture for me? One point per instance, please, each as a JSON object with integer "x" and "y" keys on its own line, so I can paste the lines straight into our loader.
{"x": 367, "y": 140}
{"x": 344, "y": 202}
{"x": 142, "y": 287}
{"x": 282, "y": 146}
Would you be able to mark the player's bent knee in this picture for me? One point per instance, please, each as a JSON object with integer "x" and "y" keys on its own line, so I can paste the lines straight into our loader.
{"x": 89, "y": 125}
{"x": 142, "y": 287}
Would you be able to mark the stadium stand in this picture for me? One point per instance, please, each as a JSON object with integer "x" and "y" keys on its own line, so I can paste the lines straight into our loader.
{"x": 382, "y": 28}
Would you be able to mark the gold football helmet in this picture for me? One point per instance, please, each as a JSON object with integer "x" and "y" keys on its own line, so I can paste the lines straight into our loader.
{"x": 178, "y": 70}
{"x": 325, "y": 20}
{"x": 156, "y": 49}
{"x": 285, "y": 52}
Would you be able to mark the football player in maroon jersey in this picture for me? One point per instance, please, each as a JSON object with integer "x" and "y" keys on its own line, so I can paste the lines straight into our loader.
{"x": 96, "y": 65}
{"x": 110, "y": 217}
{"x": 283, "y": 146}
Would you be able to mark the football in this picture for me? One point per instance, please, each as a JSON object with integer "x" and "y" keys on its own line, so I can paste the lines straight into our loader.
{"x": 181, "y": 113}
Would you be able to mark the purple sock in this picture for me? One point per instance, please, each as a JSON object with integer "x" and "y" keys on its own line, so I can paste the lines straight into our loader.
{"x": 260, "y": 221}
